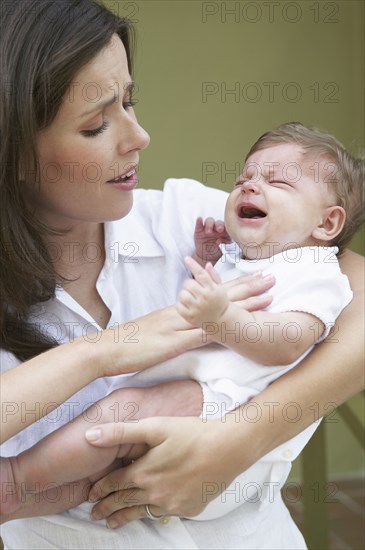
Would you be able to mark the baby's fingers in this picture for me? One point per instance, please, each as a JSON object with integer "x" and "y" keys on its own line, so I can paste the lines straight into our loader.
{"x": 209, "y": 226}
{"x": 200, "y": 275}
{"x": 186, "y": 298}
{"x": 213, "y": 274}
{"x": 219, "y": 227}
{"x": 199, "y": 225}
{"x": 183, "y": 310}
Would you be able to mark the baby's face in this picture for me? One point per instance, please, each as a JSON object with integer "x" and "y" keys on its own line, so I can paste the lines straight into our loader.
{"x": 278, "y": 201}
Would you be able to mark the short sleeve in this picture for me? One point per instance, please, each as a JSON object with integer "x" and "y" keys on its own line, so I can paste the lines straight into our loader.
{"x": 313, "y": 284}
{"x": 7, "y": 361}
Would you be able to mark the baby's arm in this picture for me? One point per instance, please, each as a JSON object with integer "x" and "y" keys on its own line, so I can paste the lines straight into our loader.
{"x": 208, "y": 236}
{"x": 65, "y": 457}
{"x": 269, "y": 338}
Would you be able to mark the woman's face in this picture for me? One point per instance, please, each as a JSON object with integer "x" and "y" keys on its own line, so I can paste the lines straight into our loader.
{"x": 94, "y": 138}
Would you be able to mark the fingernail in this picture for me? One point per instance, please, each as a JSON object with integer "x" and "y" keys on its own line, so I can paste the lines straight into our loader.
{"x": 93, "y": 434}
{"x": 268, "y": 277}
{"x": 257, "y": 274}
{"x": 112, "y": 524}
{"x": 95, "y": 516}
{"x": 92, "y": 497}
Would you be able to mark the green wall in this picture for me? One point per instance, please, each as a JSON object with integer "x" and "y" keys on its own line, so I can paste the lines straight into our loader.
{"x": 285, "y": 60}
{"x": 282, "y": 60}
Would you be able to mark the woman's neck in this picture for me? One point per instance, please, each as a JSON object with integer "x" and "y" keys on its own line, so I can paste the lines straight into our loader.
{"x": 79, "y": 248}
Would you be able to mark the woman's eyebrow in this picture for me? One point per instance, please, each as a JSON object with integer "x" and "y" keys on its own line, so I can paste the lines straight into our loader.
{"x": 98, "y": 106}
{"x": 128, "y": 88}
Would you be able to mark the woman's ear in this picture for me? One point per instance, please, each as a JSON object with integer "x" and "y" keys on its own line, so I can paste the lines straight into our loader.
{"x": 332, "y": 224}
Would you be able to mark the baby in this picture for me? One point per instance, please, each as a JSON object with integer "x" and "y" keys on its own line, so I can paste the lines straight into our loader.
{"x": 297, "y": 202}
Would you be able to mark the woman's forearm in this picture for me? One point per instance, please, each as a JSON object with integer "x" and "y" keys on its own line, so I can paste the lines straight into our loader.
{"x": 42, "y": 467}
{"x": 36, "y": 387}
{"x": 327, "y": 377}
{"x": 46, "y": 381}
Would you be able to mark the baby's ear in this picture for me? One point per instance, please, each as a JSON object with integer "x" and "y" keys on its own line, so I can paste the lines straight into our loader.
{"x": 332, "y": 223}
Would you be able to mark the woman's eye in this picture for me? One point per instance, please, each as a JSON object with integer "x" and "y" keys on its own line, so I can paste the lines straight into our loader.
{"x": 95, "y": 131}
{"x": 128, "y": 104}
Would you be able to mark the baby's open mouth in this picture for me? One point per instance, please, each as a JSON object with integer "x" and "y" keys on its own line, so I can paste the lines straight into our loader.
{"x": 251, "y": 212}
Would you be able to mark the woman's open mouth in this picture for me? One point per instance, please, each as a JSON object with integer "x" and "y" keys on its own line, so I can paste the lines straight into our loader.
{"x": 126, "y": 181}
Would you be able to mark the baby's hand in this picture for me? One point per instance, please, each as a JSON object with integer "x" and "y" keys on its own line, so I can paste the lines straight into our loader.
{"x": 204, "y": 299}
{"x": 208, "y": 236}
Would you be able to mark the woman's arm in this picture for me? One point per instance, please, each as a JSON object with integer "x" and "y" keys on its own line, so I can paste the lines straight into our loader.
{"x": 45, "y": 465}
{"x": 185, "y": 454}
{"x": 44, "y": 382}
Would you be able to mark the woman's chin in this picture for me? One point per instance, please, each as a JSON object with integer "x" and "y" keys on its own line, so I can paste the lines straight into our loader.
{"x": 118, "y": 211}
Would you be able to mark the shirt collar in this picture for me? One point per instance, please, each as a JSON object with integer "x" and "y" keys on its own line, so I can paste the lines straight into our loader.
{"x": 231, "y": 252}
{"x": 130, "y": 238}
{"x": 127, "y": 238}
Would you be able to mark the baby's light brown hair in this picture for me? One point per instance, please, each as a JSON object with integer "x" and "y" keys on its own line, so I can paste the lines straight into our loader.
{"x": 346, "y": 179}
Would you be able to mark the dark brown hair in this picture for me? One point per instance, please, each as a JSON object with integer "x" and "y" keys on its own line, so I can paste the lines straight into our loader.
{"x": 347, "y": 176}
{"x": 43, "y": 45}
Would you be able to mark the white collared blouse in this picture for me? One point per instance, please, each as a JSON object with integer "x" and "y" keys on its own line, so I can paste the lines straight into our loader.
{"x": 144, "y": 271}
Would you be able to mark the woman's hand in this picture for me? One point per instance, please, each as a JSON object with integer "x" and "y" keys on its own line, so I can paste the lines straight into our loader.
{"x": 164, "y": 334}
{"x": 205, "y": 297}
{"x": 42, "y": 467}
{"x": 250, "y": 291}
{"x": 52, "y": 377}
{"x": 143, "y": 343}
{"x": 175, "y": 476}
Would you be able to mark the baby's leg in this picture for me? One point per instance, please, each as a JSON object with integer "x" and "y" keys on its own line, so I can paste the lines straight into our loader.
{"x": 17, "y": 501}
{"x": 9, "y": 493}
{"x": 65, "y": 456}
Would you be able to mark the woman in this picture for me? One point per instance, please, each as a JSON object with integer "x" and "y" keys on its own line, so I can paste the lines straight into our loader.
{"x": 79, "y": 125}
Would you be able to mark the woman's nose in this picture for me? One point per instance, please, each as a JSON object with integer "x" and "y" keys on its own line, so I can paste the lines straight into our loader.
{"x": 132, "y": 136}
